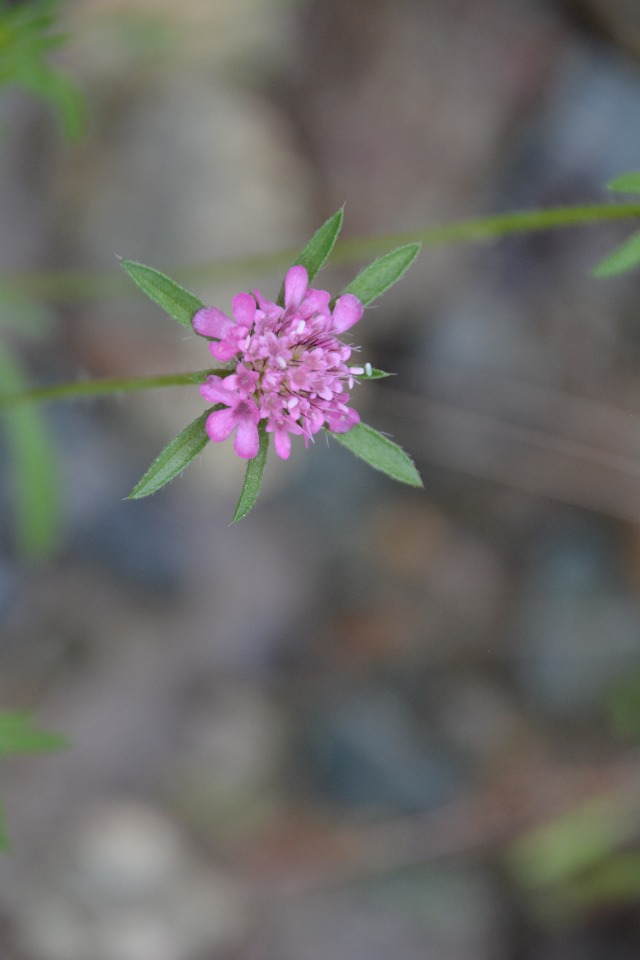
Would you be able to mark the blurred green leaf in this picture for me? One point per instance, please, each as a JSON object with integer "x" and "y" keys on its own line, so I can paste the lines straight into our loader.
{"x": 615, "y": 880}
{"x": 19, "y": 735}
{"x": 26, "y": 39}
{"x": 179, "y": 303}
{"x": 34, "y": 468}
{"x": 253, "y": 476}
{"x": 173, "y": 458}
{"x": 572, "y": 843}
{"x": 379, "y": 452}
{"x": 380, "y": 275}
{"x": 625, "y": 183}
{"x": 626, "y": 257}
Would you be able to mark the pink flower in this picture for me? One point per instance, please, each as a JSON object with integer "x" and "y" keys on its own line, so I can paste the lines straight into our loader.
{"x": 290, "y": 368}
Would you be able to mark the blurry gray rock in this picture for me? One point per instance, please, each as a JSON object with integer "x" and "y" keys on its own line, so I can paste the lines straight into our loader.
{"x": 122, "y": 883}
{"x": 577, "y": 625}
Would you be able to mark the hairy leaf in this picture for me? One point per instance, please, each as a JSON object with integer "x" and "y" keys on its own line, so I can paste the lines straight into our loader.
{"x": 314, "y": 256}
{"x": 379, "y": 452}
{"x": 173, "y": 458}
{"x": 253, "y": 476}
{"x": 382, "y": 273}
{"x": 179, "y": 303}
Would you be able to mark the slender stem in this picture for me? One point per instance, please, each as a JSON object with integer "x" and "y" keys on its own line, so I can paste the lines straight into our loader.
{"x": 74, "y": 284}
{"x": 78, "y": 285}
{"x": 88, "y": 388}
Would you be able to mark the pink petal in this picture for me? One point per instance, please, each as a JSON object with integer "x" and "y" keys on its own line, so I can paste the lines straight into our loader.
{"x": 347, "y": 311}
{"x": 247, "y": 441}
{"x": 216, "y": 391}
{"x": 343, "y": 422}
{"x": 211, "y": 322}
{"x": 223, "y": 350}
{"x": 244, "y": 309}
{"x": 295, "y": 286}
{"x": 282, "y": 440}
{"x": 316, "y": 301}
{"x": 220, "y": 423}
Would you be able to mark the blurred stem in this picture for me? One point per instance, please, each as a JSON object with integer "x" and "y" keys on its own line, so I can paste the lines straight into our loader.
{"x": 66, "y": 285}
{"x": 94, "y": 388}
{"x": 77, "y": 285}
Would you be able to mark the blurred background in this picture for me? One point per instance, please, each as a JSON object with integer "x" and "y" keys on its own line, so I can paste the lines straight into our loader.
{"x": 367, "y": 721}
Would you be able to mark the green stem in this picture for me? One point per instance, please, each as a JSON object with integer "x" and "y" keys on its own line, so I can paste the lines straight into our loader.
{"x": 89, "y": 388}
{"x": 76, "y": 285}
{"x": 68, "y": 284}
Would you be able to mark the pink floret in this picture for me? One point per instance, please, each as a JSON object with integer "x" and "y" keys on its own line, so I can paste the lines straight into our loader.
{"x": 290, "y": 368}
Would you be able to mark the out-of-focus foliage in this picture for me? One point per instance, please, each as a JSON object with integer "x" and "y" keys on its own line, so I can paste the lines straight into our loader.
{"x": 18, "y": 735}
{"x": 27, "y": 36}
{"x": 580, "y": 858}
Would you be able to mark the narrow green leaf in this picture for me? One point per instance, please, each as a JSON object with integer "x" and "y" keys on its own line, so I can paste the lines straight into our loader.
{"x": 253, "y": 476}
{"x": 314, "y": 256}
{"x": 379, "y": 452}
{"x": 19, "y": 735}
{"x": 382, "y": 273}
{"x": 626, "y": 257}
{"x": 173, "y": 458}
{"x": 625, "y": 183}
{"x": 373, "y": 374}
{"x": 174, "y": 299}
{"x": 34, "y": 469}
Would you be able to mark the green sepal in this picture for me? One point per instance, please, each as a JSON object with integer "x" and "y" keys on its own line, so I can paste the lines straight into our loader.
{"x": 179, "y": 303}
{"x": 18, "y": 735}
{"x": 253, "y": 476}
{"x": 314, "y": 256}
{"x": 374, "y": 375}
{"x": 625, "y": 258}
{"x": 173, "y": 458}
{"x": 380, "y": 453}
{"x": 625, "y": 183}
{"x": 380, "y": 275}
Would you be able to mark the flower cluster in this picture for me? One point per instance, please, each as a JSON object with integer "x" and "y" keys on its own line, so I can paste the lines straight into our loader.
{"x": 290, "y": 367}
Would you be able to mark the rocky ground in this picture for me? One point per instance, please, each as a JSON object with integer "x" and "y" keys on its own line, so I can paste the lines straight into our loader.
{"x": 334, "y": 729}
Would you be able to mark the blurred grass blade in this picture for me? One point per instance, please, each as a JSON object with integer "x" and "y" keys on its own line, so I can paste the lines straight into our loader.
{"x": 253, "y": 476}
{"x": 179, "y": 303}
{"x": 382, "y": 273}
{"x": 173, "y": 458}
{"x": 626, "y": 257}
{"x": 34, "y": 470}
{"x": 380, "y": 453}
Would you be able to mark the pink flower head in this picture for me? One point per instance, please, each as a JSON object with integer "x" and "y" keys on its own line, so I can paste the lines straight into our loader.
{"x": 290, "y": 367}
